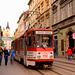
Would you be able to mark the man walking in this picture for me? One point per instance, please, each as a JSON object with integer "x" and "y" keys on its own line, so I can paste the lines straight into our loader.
{"x": 1, "y": 52}
{"x": 6, "y": 55}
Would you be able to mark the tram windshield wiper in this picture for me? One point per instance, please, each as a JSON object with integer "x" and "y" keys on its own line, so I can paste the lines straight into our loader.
{"x": 43, "y": 46}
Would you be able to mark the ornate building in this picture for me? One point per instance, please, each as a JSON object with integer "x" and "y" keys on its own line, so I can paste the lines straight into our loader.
{"x": 6, "y": 33}
{"x": 63, "y": 23}
{"x": 6, "y": 37}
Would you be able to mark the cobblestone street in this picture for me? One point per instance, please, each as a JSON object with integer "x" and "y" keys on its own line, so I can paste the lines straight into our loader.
{"x": 59, "y": 68}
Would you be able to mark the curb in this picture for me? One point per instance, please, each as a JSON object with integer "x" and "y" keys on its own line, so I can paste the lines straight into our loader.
{"x": 65, "y": 62}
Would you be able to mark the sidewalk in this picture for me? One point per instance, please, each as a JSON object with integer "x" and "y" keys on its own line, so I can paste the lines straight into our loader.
{"x": 64, "y": 60}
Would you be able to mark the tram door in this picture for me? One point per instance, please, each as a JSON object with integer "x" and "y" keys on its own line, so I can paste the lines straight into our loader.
{"x": 71, "y": 40}
{"x": 25, "y": 51}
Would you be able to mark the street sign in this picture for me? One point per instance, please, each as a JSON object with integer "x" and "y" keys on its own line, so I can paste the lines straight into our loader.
{"x": 73, "y": 35}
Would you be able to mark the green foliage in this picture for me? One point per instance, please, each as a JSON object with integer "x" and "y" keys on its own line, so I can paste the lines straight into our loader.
{"x": 12, "y": 38}
{"x": 2, "y": 43}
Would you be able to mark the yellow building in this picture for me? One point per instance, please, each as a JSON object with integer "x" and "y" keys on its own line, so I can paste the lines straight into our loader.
{"x": 6, "y": 33}
{"x": 40, "y": 15}
{"x": 44, "y": 18}
{"x": 16, "y": 34}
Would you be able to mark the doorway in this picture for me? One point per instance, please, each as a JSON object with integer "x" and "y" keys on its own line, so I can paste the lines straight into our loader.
{"x": 71, "y": 41}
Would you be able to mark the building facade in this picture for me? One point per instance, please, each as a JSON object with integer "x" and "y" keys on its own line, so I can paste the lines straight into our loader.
{"x": 7, "y": 42}
{"x": 63, "y": 23}
{"x": 6, "y": 33}
{"x": 44, "y": 18}
{"x": 21, "y": 28}
{"x": 32, "y": 14}
{"x": 16, "y": 34}
{"x": 26, "y": 22}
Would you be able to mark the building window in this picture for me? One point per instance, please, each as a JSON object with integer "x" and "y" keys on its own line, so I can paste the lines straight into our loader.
{"x": 71, "y": 8}
{"x": 47, "y": 4}
{"x": 63, "y": 13}
{"x": 47, "y": 21}
{"x": 42, "y": 7}
{"x": 55, "y": 17}
{"x": 39, "y": 24}
{"x": 39, "y": 9}
{"x": 42, "y": 23}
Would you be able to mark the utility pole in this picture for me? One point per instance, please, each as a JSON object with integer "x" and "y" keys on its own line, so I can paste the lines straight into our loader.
{"x": 32, "y": 13}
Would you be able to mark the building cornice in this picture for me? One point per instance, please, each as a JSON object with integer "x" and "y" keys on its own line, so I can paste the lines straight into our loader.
{"x": 63, "y": 24}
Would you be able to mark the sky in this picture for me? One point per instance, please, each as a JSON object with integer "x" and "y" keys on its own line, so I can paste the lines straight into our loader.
{"x": 10, "y": 11}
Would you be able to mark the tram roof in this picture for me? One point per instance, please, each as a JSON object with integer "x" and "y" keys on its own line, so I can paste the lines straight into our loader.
{"x": 40, "y": 30}
{"x": 34, "y": 30}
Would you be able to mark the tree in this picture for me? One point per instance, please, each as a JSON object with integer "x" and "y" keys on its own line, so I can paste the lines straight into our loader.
{"x": 2, "y": 43}
{"x": 12, "y": 38}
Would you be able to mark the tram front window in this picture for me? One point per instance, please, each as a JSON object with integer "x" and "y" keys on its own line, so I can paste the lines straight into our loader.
{"x": 44, "y": 40}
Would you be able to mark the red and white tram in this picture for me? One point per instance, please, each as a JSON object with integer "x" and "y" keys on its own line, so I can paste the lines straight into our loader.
{"x": 35, "y": 47}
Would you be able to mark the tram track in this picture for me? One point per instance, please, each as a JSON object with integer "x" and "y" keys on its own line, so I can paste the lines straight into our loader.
{"x": 48, "y": 70}
{"x": 56, "y": 72}
{"x": 64, "y": 68}
{"x": 60, "y": 64}
{"x": 65, "y": 62}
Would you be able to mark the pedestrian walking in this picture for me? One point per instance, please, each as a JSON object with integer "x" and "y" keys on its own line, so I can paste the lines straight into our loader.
{"x": 1, "y": 52}
{"x": 69, "y": 53}
{"x": 54, "y": 52}
{"x": 12, "y": 54}
{"x": 6, "y": 54}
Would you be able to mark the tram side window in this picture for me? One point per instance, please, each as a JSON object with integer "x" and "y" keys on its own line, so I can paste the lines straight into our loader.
{"x": 29, "y": 40}
{"x": 33, "y": 40}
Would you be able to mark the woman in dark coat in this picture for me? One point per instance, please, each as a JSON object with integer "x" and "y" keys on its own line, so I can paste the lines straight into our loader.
{"x": 6, "y": 56}
{"x": 1, "y": 52}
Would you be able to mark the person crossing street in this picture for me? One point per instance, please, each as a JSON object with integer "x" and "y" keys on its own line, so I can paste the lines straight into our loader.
{"x": 69, "y": 53}
{"x": 11, "y": 53}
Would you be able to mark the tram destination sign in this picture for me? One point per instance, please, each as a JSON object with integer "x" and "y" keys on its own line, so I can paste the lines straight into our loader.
{"x": 44, "y": 32}
{"x": 73, "y": 35}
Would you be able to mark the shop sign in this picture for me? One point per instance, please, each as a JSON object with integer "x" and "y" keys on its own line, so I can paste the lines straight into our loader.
{"x": 73, "y": 35}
